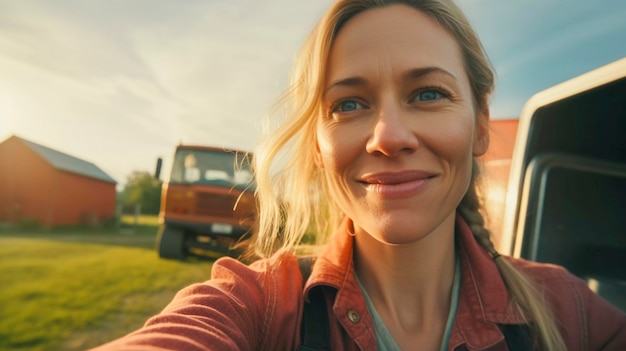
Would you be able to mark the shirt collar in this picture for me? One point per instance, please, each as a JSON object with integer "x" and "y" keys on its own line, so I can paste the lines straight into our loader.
{"x": 484, "y": 301}
{"x": 334, "y": 264}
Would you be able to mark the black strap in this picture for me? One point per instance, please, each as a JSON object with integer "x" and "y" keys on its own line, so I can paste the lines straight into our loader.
{"x": 314, "y": 334}
{"x": 517, "y": 337}
{"x": 305, "y": 263}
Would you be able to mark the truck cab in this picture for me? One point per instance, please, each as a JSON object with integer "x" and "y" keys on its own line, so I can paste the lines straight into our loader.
{"x": 207, "y": 204}
{"x": 566, "y": 197}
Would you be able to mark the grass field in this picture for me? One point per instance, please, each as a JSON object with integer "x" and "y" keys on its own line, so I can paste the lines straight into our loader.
{"x": 76, "y": 288}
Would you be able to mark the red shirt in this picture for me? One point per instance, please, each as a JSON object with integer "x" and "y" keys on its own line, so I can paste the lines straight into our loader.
{"x": 259, "y": 307}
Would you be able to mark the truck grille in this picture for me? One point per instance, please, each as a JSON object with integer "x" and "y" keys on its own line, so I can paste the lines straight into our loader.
{"x": 215, "y": 205}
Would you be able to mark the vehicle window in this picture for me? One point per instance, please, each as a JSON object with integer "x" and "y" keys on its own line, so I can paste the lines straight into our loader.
{"x": 209, "y": 167}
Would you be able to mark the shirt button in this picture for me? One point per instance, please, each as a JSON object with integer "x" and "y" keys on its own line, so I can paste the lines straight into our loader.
{"x": 353, "y": 316}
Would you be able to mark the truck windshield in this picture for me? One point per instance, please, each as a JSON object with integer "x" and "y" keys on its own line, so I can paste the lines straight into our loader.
{"x": 209, "y": 167}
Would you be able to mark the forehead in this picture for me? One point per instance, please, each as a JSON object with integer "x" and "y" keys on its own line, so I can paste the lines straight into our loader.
{"x": 395, "y": 35}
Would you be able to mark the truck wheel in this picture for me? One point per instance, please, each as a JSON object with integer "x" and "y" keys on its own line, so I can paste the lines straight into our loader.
{"x": 171, "y": 243}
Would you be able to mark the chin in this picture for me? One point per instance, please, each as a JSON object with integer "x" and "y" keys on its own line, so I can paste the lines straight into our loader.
{"x": 400, "y": 236}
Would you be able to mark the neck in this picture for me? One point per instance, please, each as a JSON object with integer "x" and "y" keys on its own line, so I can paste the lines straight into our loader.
{"x": 409, "y": 284}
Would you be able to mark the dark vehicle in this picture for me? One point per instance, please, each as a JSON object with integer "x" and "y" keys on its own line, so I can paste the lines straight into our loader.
{"x": 208, "y": 203}
{"x": 566, "y": 201}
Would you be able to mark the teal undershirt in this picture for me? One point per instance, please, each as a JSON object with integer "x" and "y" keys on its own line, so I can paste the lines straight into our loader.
{"x": 385, "y": 340}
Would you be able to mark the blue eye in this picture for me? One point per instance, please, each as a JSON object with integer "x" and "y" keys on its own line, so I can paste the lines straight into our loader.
{"x": 429, "y": 95}
{"x": 347, "y": 106}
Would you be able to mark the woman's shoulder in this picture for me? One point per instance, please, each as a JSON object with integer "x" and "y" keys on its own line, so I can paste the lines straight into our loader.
{"x": 550, "y": 277}
{"x": 255, "y": 279}
{"x": 279, "y": 266}
{"x": 585, "y": 317}
{"x": 566, "y": 292}
{"x": 540, "y": 271}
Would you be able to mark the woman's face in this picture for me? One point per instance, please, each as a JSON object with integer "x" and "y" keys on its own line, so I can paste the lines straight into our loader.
{"x": 398, "y": 128}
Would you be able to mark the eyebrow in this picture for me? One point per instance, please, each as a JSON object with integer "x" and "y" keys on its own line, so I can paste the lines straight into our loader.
{"x": 411, "y": 74}
{"x": 424, "y": 71}
{"x": 347, "y": 82}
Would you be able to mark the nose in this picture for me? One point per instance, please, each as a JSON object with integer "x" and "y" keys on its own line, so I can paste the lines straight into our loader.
{"x": 391, "y": 133}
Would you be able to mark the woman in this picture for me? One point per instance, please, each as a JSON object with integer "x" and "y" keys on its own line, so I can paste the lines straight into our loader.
{"x": 386, "y": 114}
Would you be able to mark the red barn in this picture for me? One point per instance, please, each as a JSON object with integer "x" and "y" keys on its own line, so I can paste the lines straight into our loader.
{"x": 52, "y": 188}
{"x": 496, "y": 169}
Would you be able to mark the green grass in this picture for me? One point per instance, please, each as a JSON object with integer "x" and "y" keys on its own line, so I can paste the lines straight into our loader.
{"x": 140, "y": 220}
{"x": 76, "y": 289}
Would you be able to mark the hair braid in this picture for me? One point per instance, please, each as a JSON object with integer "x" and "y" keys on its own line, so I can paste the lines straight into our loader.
{"x": 525, "y": 295}
{"x": 470, "y": 207}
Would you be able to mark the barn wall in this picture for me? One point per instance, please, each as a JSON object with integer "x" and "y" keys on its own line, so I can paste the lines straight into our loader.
{"x": 83, "y": 200}
{"x": 496, "y": 165}
{"x": 25, "y": 184}
{"x": 31, "y": 189}
{"x": 502, "y": 133}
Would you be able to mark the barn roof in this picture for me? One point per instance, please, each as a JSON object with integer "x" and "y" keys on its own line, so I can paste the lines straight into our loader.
{"x": 68, "y": 163}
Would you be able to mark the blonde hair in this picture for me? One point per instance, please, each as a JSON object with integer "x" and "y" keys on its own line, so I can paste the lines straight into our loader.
{"x": 291, "y": 191}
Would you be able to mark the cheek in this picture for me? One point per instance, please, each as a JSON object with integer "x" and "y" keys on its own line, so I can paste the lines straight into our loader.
{"x": 332, "y": 149}
{"x": 325, "y": 148}
{"x": 459, "y": 152}
{"x": 330, "y": 160}
{"x": 454, "y": 139}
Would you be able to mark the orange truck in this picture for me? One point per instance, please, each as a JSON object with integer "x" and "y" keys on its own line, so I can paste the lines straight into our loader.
{"x": 207, "y": 204}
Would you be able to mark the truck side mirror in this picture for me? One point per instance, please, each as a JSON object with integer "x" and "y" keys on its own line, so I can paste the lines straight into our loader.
{"x": 157, "y": 171}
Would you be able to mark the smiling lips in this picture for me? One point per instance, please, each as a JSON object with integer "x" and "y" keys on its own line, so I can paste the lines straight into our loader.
{"x": 396, "y": 184}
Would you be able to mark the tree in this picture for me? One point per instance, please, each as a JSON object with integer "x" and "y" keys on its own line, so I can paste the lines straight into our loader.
{"x": 142, "y": 189}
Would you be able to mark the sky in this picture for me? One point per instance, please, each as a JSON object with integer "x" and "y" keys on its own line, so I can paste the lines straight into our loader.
{"x": 120, "y": 83}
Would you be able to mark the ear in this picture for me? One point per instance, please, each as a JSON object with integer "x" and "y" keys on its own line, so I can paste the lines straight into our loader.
{"x": 481, "y": 138}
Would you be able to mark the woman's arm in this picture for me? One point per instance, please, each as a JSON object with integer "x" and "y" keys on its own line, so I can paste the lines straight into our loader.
{"x": 240, "y": 308}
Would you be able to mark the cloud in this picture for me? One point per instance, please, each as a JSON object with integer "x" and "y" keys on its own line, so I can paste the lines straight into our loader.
{"x": 576, "y": 32}
{"x": 119, "y": 83}
{"x": 537, "y": 44}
